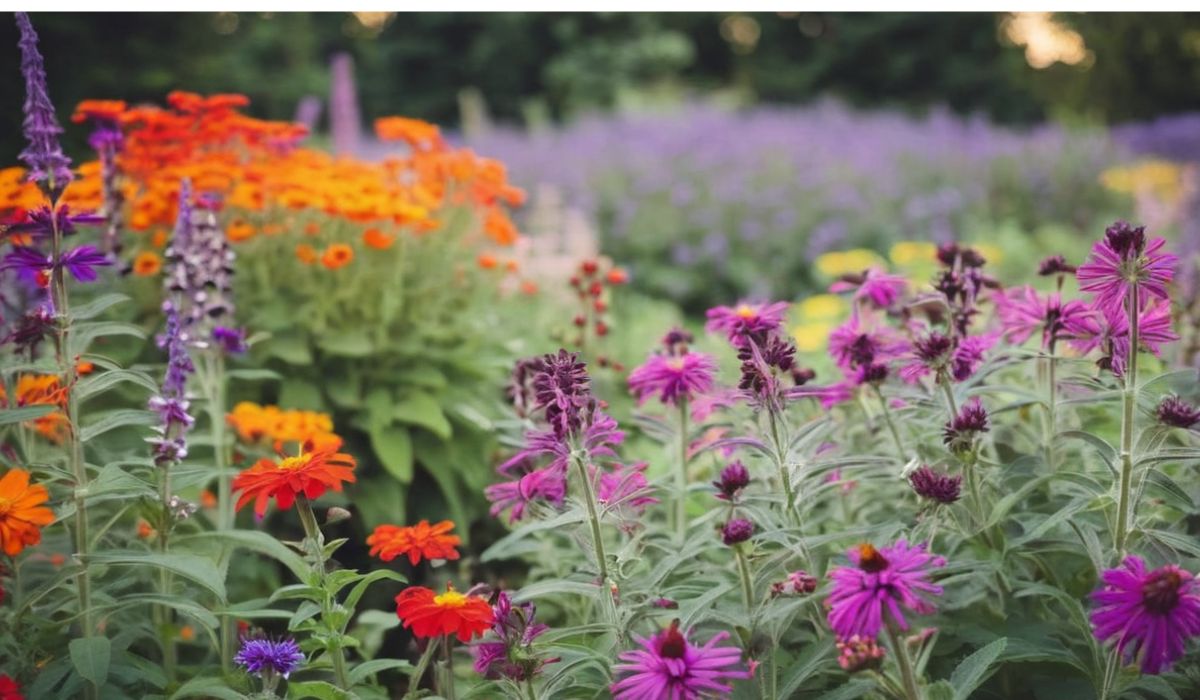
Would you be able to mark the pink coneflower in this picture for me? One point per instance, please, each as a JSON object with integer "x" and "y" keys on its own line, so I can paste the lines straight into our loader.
{"x": 669, "y": 667}
{"x": 882, "y": 582}
{"x": 744, "y": 321}
{"x": 874, "y": 285}
{"x": 1177, "y": 413}
{"x": 952, "y": 358}
{"x": 1110, "y": 333}
{"x": 1122, "y": 258}
{"x": 1022, "y": 312}
{"x": 673, "y": 378}
{"x": 624, "y": 489}
{"x": 1150, "y": 615}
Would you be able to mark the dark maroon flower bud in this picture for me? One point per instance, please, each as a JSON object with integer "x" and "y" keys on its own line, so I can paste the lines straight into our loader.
{"x": 1126, "y": 240}
{"x": 959, "y": 433}
{"x": 931, "y": 485}
{"x": 734, "y": 478}
{"x": 736, "y": 531}
{"x": 797, "y": 583}
{"x": 1055, "y": 265}
{"x": 803, "y": 375}
{"x": 589, "y": 267}
{"x": 971, "y": 258}
{"x": 579, "y": 320}
{"x": 664, "y": 604}
{"x": 947, "y": 254}
{"x": 1177, "y": 413}
{"x": 873, "y": 374}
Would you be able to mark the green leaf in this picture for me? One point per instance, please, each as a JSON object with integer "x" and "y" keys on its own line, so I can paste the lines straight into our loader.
{"x": 380, "y": 499}
{"x": 856, "y": 688}
{"x": 360, "y": 588}
{"x": 1179, "y": 543}
{"x": 368, "y": 669}
{"x": 299, "y": 394}
{"x": 426, "y": 376}
{"x": 84, "y": 334}
{"x": 251, "y": 374}
{"x": 939, "y": 691}
{"x": 975, "y": 669}
{"x": 91, "y": 657}
{"x": 1107, "y": 452}
{"x": 421, "y": 409}
{"x": 393, "y": 445}
{"x": 351, "y": 343}
{"x": 113, "y": 420}
{"x": 812, "y": 661}
{"x": 292, "y": 349}
{"x": 199, "y": 570}
{"x": 101, "y": 382}
{"x": 114, "y": 480}
{"x": 95, "y": 307}
{"x": 25, "y": 413}
{"x": 253, "y": 540}
{"x": 206, "y": 688}
{"x": 316, "y": 689}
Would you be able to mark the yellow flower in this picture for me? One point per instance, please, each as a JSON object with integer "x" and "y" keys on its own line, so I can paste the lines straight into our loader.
{"x": 821, "y": 307}
{"x": 910, "y": 252}
{"x": 811, "y": 337}
{"x": 837, "y": 263}
{"x": 991, "y": 253}
{"x": 1161, "y": 178}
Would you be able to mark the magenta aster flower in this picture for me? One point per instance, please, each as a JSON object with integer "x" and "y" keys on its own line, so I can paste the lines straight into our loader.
{"x": 624, "y": 489}
{"x": 1110, "y": 334}
{"x": 669, "y": 667}
{"x": 873, "y": 285}
{"x": 548, "y": 484}
{"x": 856, "y": 343}
{"x": 673, "y": 378}
{"x": 741, "y": 322}
{"x": 879, "y": 587}
{"x": 1150, "y": 615}
{"x": 1023, "y": 312}
{"x": 1122, "y": 258}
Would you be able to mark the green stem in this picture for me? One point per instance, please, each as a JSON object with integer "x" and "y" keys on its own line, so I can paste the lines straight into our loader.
{"x": 781, "y": 464}
{"x": 1051, "y": 406}
{"x": 316, "y": 540}
{"x": 213, "y": 383}
{"x": 681, "y": 476}
{"x": 414, "y": 683}
{"x": 164, "y": 576}
{"x": 744, "y": 575}
{"x": 908, "y": 677}
{"x": 944, "y": 381}
{"x": 74, "y": 448}
{"x": 1128, "y": 414}
{"x": 589, "y": 499}
{"x": 887, "y": 418}
{"x": 448, "y": 685}
{"x": 530, "y": 691}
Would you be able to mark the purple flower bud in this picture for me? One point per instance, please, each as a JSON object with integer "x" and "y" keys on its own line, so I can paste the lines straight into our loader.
{"x": 734, "y": 478}
{"x": 1177, "y": 413}
{"x": 43, "y": 154}
{"x": 959, "y": 433}
{"x": 1055, "y": 265}
{"x": 737, "y": 530}
{"x": 931, "y": 485}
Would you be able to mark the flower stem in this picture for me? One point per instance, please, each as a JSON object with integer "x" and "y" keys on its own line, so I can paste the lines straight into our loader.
{"x": 414, "y": 683}
{"x": 589, "y": 499}
{"x": 1128, "y": 414}
{"x": 744, "y": 575}
{"x": 944, "y": 381}
{"x": 887, "y": 418}
{"x": 781, "y": 464}
{"x": 164, "y": 576}
{"x": 1051, "y": 406}
{"x": 907, "y": 676}
{"x": 314, "y": 536}
{"x": 447, "y": 686}
{"x": 681, "y": 476}
{"x": 74, "y": 447}
{"x": 213, "y": 384}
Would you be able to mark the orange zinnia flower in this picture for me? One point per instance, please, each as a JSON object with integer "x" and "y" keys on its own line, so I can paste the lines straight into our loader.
{"x": 487, "y": 261}
{"x": 147, "y": 263}
{"x": 239, "y": 231}
{"x": 307, "y": 474}
{"x": 377, "y": 239}
{"x": 306, "y": 254}
{"x": 337, "y": 255}
{"x": 417, "y": 541}
{"x": 21, "y": 512}
{"x": 432, "y": 614}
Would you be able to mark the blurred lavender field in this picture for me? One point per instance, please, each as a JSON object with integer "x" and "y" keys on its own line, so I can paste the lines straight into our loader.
{"x": 707, "y": 204}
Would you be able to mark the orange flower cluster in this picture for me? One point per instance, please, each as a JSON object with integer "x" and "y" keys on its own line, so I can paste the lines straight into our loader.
{"x": 257, "y": 168}
{"x": 255, "y": 423}
{"x": 416, "y": 541}
{"x": 42, "y": 390}
{"x": 307, "y": 474}
{"x": 22, "y": 514}
{"x": 431, "y": 614}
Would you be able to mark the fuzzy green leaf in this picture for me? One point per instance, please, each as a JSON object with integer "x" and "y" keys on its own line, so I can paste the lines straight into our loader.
{"x": 975, "y": 669}
{"x": 91, "y": 657}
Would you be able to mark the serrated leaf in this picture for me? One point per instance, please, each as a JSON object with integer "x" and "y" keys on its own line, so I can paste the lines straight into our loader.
{"x": 199, "y": 570}
{"x": 393, "y": 445}
{"x": 91, "y": 657}
{"x": 421, "y": 409}
{"x": 975, "y": 669}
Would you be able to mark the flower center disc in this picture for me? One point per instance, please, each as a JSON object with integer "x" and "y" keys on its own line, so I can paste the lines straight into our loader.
{"x": 293, "y": 463}
{"x": 5, "y": 506}
{"x": 450, "y": 599}
{"x": 1161, "y": 593}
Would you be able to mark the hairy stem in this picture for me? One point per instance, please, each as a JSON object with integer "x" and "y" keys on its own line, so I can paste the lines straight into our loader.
{"x": 1051, "y": 406}
{"x": 681, "y": 476}
{"x": 589, "y": 499}
{"x": 781, "y": 463}
{"x": 744, "y": 576}
{"x": 887, "y": 418}
{"x": 213, "y": 384}
{"x": 164, "y": 576}
{"x": 1128, "y": 414}
{"x": 908, "y": 676}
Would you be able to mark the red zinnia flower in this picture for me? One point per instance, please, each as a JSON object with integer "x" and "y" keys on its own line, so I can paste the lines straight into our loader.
{"x": 308, "y": 474}
{"x": 431, "y": 614}
{"x": 9, "y": 689}
{"x": 417, "y": 541}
